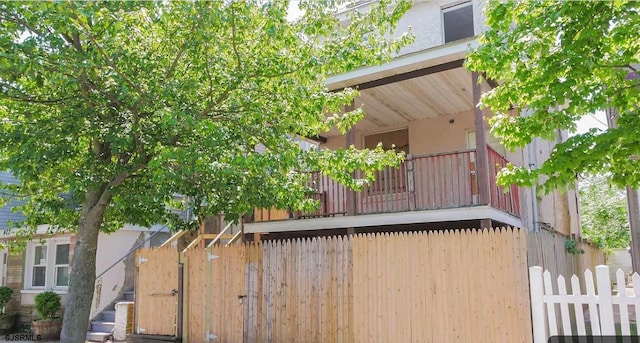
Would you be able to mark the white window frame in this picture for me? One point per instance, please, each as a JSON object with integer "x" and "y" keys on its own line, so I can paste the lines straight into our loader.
{"x": 51, "y": 266}
{"x": 452, "y": 7}
{"x": 4, "y": 258}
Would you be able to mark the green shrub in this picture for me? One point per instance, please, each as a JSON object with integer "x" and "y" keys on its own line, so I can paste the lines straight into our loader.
{"x": 47, "y": 304}
{"x": 5, "y": 295}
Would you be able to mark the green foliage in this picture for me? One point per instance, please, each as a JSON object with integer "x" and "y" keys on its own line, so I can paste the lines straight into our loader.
{"x": 603, "y": 212}
{"x": 572, "y": 247}
{"x": 47, "y": 304}
{"x": 125, "y": 104}
{"x": 5, "y": 295}
{"x": 563, "y": 60}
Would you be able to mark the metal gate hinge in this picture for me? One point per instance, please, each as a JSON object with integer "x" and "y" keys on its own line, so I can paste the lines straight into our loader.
{"x": 212, "y": 336}
{"x": 212, "y": 257}
{"x": 141, "y": 260}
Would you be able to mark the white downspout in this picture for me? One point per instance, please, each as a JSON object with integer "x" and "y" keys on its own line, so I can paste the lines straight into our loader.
{"x": 534, "y": 188}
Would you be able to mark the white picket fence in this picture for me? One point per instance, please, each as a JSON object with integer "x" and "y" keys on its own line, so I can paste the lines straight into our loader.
{"x": 601, "y": 304}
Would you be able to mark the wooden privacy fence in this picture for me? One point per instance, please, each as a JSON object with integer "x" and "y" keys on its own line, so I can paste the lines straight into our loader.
{"x": 557, "y": 310}
{"x": 548, "y": 250}
{"x": 466, "y": 285}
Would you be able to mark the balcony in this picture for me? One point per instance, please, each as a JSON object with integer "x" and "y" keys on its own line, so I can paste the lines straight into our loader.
{"x": 426, "y": 182}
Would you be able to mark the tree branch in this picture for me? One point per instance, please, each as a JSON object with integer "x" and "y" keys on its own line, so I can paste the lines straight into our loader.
{"x": 25, "y": 98}
{"x": 22, "y": 23}
{"x": 234, "y": 44}
{"x": 108, "y": 59}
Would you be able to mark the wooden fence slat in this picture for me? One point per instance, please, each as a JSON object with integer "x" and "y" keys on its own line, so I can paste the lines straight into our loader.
{"x": 623, "y": 307}
{"x": 635, "y": 279}
{"x": 593, "y": 308}
{"x": 604, "y": 301}
{"x": 575, "y": 290}
{"x": 564, "y": 307}
{"x": 551, "y": 310}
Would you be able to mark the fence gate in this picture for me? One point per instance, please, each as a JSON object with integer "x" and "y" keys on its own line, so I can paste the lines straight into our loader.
{"x": 215, "y": 294}
{"x": 156, "y": 291}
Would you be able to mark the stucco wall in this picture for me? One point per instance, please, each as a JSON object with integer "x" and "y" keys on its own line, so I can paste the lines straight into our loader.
{"x": 428, "y": 136}
{"x": 112, "y": 247}
{"x": 425, "y": 20}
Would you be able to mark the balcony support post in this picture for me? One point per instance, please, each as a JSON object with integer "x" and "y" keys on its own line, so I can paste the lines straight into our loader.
{"x": 350, "y": 140}
{"x": 411, "y": 188}
{"x": 482, "y": 154}
{"x": 486, "y": 223}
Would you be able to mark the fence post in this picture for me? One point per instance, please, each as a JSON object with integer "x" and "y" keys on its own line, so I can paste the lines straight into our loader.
{"x": 184, "y": 297}
{"x": 604, "y": 301}
{"x": 536, "y": 292}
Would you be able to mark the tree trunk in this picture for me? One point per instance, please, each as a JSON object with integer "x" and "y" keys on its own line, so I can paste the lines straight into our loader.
{"x": 83, "y": 269}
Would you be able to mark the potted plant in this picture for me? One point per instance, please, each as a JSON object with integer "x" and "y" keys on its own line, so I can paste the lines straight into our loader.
{"x": 7, "y": 321}
{"x": 48, "y": 325}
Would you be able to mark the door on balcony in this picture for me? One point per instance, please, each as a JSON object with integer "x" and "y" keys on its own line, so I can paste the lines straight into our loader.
{"x": 388, "y": 193}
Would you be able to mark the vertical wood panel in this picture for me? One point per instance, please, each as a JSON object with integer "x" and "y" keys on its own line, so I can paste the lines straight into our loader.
{"x": 391, "y": 287}
{"x": 436, "y": 271}
{"x": 157, "y": 277}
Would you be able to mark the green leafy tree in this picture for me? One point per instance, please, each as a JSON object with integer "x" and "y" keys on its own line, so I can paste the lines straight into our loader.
{"x": 562, "y": 60}
{"x": 110, "y": 109}
{"x": 603, "y": 213}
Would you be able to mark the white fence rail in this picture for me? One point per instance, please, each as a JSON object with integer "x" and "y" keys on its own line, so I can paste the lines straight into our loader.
{"x": 547, "y": 298}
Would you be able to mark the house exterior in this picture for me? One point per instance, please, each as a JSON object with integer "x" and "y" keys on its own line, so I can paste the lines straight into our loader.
{"x": 423, "y": 102}
{"x": 45, "y": 262}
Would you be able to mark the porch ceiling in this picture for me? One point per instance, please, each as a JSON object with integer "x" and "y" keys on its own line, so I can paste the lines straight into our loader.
{"x": 423, "y": 97}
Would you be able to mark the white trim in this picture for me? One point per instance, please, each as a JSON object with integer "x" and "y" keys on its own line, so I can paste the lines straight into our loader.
{"x": 38, "y": 291}
{"x": 409, "y": 217}
{"x": 4, "y": 259}
{"x": 50, "y": 264}
{"x": 42, "y": 229}
{"x": 415, "y": 60}
{"x": 452, "y": 6}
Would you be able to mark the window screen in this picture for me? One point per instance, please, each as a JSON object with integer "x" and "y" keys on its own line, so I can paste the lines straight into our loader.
{"x": 458, "y": 22}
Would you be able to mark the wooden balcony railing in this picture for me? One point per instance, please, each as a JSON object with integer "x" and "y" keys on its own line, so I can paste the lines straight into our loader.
{"x": 446, "y": 180}
{"x": 509, "y": 201}
{"x": 422, "y": 182}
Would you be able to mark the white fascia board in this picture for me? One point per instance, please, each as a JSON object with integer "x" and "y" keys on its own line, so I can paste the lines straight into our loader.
{"x": 42, "y": 229}
{"x": 399, "y": 218}
{"x": 405, "y": 61}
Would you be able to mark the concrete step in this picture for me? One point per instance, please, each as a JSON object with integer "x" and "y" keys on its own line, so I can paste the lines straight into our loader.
{"x": 109, "y": 315}
{"x": 98, "y": 336}
{"x": 128, "y": 295}
{"x": 100, "y": 326}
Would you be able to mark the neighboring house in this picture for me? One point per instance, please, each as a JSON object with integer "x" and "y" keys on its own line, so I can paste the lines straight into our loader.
{"x": 423, "y": 102}
{"x": 45, "y": 262}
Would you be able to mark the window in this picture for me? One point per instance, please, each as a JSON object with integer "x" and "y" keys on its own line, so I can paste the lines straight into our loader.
{"x": 3, "y": 267}
{"x": 47, "y": 264}
{"x": 62, "y": 265}
{"x": 457, "y": 22}
{"x": 39, "y": 266}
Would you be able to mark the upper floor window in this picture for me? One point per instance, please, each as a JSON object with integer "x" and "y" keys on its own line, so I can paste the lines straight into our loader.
{"x": 47, "y": 264}
{"x": 457, "y": 22}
